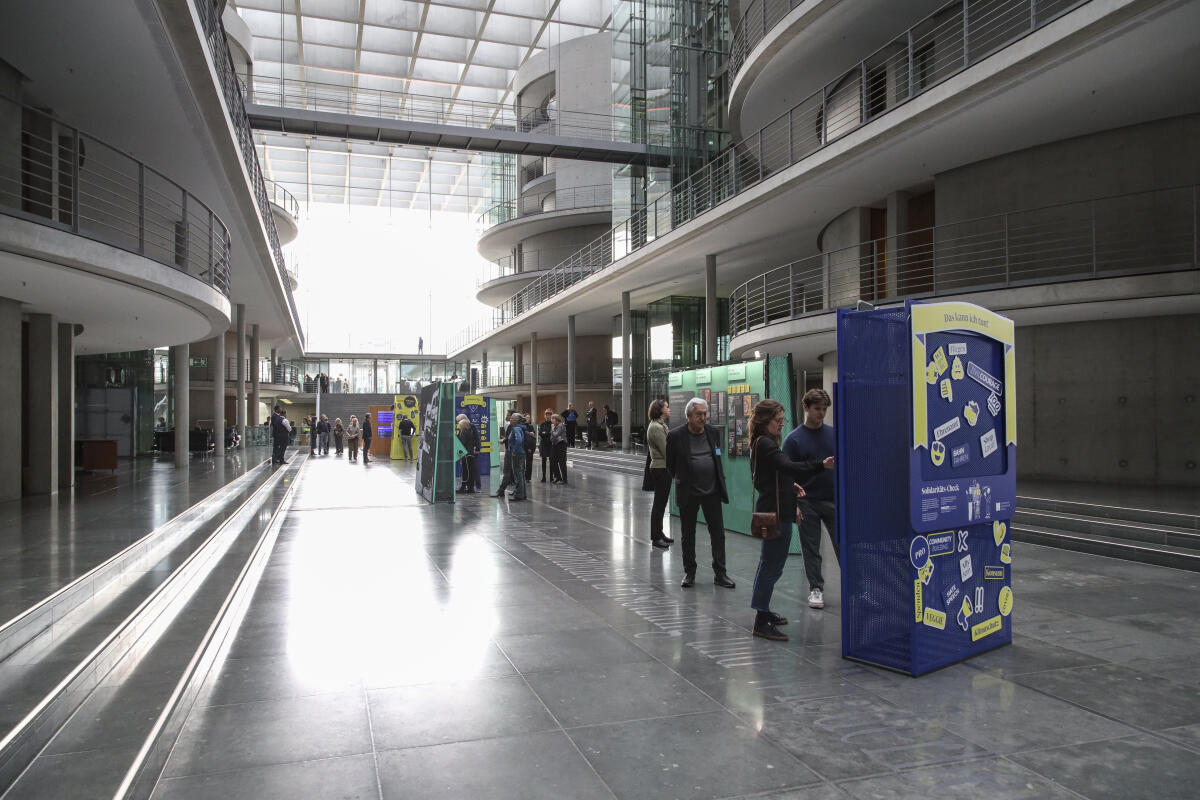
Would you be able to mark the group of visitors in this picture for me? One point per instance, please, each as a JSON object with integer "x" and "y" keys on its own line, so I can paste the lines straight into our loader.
{"x": 601, "y": 426}
{"x": 522, "y": 442}
{"x": 346, "y": 437}
{"x": 793, "y": 481}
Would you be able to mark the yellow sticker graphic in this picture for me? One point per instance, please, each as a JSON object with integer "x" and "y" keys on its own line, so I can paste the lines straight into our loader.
{"x": 939, "y": 358}
{"x": 971, "y": 412}
{"x": 935, "y": 619}
{"x": 956, "y": 369}
{"x": 947, "y": 390}
{"x": 998, "y": 531}
{"x": 967, "y": 611}
{"x": 931, "y": 373}
{"x": 937, "y": 453}
{"x": 1005, "y": 601}
{"x": 986, "y": 628}
{"x": 919, "y": 599}
{"x": 1005, "y": 553}
{"x": 926, "y": 572}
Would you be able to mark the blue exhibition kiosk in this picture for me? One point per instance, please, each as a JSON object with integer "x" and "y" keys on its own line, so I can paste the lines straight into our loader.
{"x": 926, "y": 419}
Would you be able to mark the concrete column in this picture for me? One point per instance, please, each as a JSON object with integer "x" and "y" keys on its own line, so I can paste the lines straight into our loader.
{"x": 217, "y": 360}
{"x": 483, "y": 377}
{"x": 240, "y": 383}
{"x": 571, "y": 359}
{"x": 626, "y": 371}
{"x": 710, "y": 309}
{"x": 897, "y": 224}
{"x": 10, "y": 398}
{"x": 274, "y": 363}
{"x": 183, "y": 411}
{"x": 66, "y": 406}
{"x": 42, "y": 416}
{"x": 533, "y": 399}
{"x": 828, "y": 378}
{"x": 252, "y": 414}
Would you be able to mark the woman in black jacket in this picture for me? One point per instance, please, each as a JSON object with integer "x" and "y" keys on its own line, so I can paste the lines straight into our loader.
{"x": 777, "y": 480}
{"x": 544, "y": 444}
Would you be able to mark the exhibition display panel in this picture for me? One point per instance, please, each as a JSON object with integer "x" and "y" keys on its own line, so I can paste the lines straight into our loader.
{"x": 926, "y": 427}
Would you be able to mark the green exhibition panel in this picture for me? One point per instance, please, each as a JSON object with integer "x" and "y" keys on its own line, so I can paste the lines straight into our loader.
{"x": 732, "y": 390}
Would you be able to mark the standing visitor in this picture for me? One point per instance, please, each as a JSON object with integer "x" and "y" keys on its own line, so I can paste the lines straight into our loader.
{"x": 558, "y": 450}
{"x": 407, "y": 429}
{"x": 530, "y": 447}
{"x": 311, "y": 424}
{"x": 339, "y": 432}
{"x": 470, "y": 462}
{"x": 323, "y": 434}
{"x": 773, "y": 473}
{"x": 506, "y": 472}
{"x": 420, "y": 345}
{"x": 660, "y": 479}
{"x": 516, "y": 446}
{"x": 590, "y": 420}
{"x": 366, "y": 437}
{"x": 814, "y": 441}
{"x": 279, "y": 436}
{"x": 571, "y": 418}
{"x": 610, "y": 426}
{"x": 694, "y": 461}
{"x": 352, "y": 434}
{"x": 544, "y": 445}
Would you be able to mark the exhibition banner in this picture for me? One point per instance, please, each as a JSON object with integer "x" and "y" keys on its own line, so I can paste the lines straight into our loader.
{"x": 435, "y": 453}
{"x": 479, "y": 412}
{"x": 405, "y": 405}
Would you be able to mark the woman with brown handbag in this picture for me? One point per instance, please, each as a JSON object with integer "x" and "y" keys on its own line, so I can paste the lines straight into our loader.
{"x": 768, "y": 467}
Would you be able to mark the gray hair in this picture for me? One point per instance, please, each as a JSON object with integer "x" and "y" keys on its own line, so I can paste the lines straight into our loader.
{"x": 695, "y": 401}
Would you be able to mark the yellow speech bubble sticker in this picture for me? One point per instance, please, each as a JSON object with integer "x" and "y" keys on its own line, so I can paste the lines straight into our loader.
{"x": 935, "y": 619}
{"x": 926, "y": 572}
{"x": 1006, "y": 553}
{"x": 999, "y": 529}
{"x": 931, "y": 373}
{"x": 956, "y": 369}
{"x": 947, "y": 390}
{"x": 1005, "y": 601}
{"x": 939, "y": 358}
{"x": 937, "y": 453}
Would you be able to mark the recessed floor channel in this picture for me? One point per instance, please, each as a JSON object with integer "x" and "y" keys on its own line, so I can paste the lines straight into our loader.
{"x": 393, "y": 649}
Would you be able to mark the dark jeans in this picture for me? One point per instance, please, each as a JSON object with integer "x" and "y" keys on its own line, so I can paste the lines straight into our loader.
{"x": 770, "y": 567}
{"x": 278, "y": 446}
{"x": 323, "y": 443}
{"x": 558, "y": 462}
{"x": 470, "y": 466}
{"x": 337, "y": 443}
{"x": 528, "y": 468}
{"x": 518, "y": 470}
{"x": 816, "y": 512}
{"x": 662, "y": 495}
{"x": 406, "y": 443}
{"x": 571, "y": 427}
{"x": 366, "y": 451}
{"x": 715, "y": 519}
{"x": 545, "y": 454}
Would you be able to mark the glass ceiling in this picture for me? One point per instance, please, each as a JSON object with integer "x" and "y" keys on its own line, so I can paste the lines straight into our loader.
{"x": 455, "y": 49}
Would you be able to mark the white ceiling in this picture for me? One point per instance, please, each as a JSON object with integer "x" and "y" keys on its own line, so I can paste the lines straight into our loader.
{"x": 466, "y": 50}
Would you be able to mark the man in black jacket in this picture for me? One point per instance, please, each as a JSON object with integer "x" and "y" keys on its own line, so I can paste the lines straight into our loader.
{"x": 694, "y": 461}
{"x": 366, "y": 437}
{"x": 279, "y": 436}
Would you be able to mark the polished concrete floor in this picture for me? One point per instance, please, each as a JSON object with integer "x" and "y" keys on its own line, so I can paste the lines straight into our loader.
{"x": 544, "y": 650}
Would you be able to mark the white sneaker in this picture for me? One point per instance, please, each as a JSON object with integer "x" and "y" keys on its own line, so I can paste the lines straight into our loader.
{"x": 816, "y": 599}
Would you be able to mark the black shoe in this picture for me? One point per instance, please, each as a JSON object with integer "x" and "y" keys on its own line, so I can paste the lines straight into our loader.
{"x": 543, "y": 480}
{"x": 767, "y": 630}
{"x": 723, "y": 580}
{"x": 688, "y": 582}
{"x": 775, "y": 619}
{"x": 499, "y": 493}
{"x": 660, "y": 544}
{"x": 668, "y": 540}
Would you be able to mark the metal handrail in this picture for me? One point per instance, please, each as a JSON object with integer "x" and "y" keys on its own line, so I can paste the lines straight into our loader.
{"x": 573, "y": 198}
{"x": 218, "y": 48}
{"x": 1129, "y": 234}
{"x": 282, "y": 197}
{"x": 73, "y": 181}
{"x": 759, "y": 17}
{"x": 499, "y": 375}
{"x": 411, "y": 107}
{"x": 527, "y": 261}
{"x": 923, "y": 56}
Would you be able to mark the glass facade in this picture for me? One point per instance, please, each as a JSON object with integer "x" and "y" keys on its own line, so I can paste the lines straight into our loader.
{"x": 116, "y": 398}
{"x": 368, "y": 375}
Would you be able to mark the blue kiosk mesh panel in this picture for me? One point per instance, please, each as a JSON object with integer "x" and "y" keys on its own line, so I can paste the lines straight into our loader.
{"x": 873, "y": 421}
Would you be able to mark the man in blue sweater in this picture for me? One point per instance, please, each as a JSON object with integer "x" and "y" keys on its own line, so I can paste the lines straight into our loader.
{"x": 814, "y": 441}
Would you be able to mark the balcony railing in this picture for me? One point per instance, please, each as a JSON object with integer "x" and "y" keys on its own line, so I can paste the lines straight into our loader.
{"x": 64, "y": 178}
{"x": 407, "y": 106}
{"x": 940, "y": 46}
{"x": 500, "y": 375}
{"x": 574, "y": 198}
{"x": 527, "y": 261}
{"x": 283, "y": 198}
{"x": 543, "y": 166}
{"x": 218, "y": 48}
{"x": 1130, "y": 234}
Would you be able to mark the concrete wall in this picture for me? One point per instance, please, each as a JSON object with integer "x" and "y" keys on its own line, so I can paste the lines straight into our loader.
{"x": 582, "y": 74}
{"x": 593, "y": 358}
{"x": 10, "y": 398}
{"x": 845, "y": 261}
{"x": 1115, "y": 401}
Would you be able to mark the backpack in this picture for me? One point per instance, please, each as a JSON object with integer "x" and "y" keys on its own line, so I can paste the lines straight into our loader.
{"x": 530, "y": 439}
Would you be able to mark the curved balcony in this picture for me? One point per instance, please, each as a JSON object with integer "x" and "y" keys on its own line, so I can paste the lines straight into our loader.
{"x": 507, "y": 224}
{"x": 285, "y": 208}
{"x": 55, "y": 176}
{"x": 1074, "y": 244}
{"x": 500, "y": 279}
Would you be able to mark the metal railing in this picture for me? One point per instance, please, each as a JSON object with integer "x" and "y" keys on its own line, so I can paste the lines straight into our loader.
{"x": 218, "y": 48}
{"x": 1131, "y": 234}
{"x": 57, "y": 175}
{"x": 938, "y": 47}
{"x": 282, "y": 198}
{"x": 542, "y": 166}
{"x": 500, "y": 375}
{"x": 526, "y": 261}
{"x": 574, "y": 198}
{"x": 407, "y": 106}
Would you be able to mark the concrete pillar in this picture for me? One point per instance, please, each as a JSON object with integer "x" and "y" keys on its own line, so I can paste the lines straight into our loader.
{"x": 828, "y": 378}
{"x": 626, "y": 371}
{"x": 42, "y": 416}
{"x": 66, "y": 406}
{"x": 483, "y": 376}
{"x": 710, "y": 309}
{"x": 10, "y": 398}
{"x": 571, "y": 359}
{"x": 533, "y": 398}
{"x": 897, "y": 224}
{"x": 217, "y": 360}
{"x": 240, "y": 384}
{"x": 183, "y": 411}
{"x": 274, "y": 363}
{"x": 252, "y": 415}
